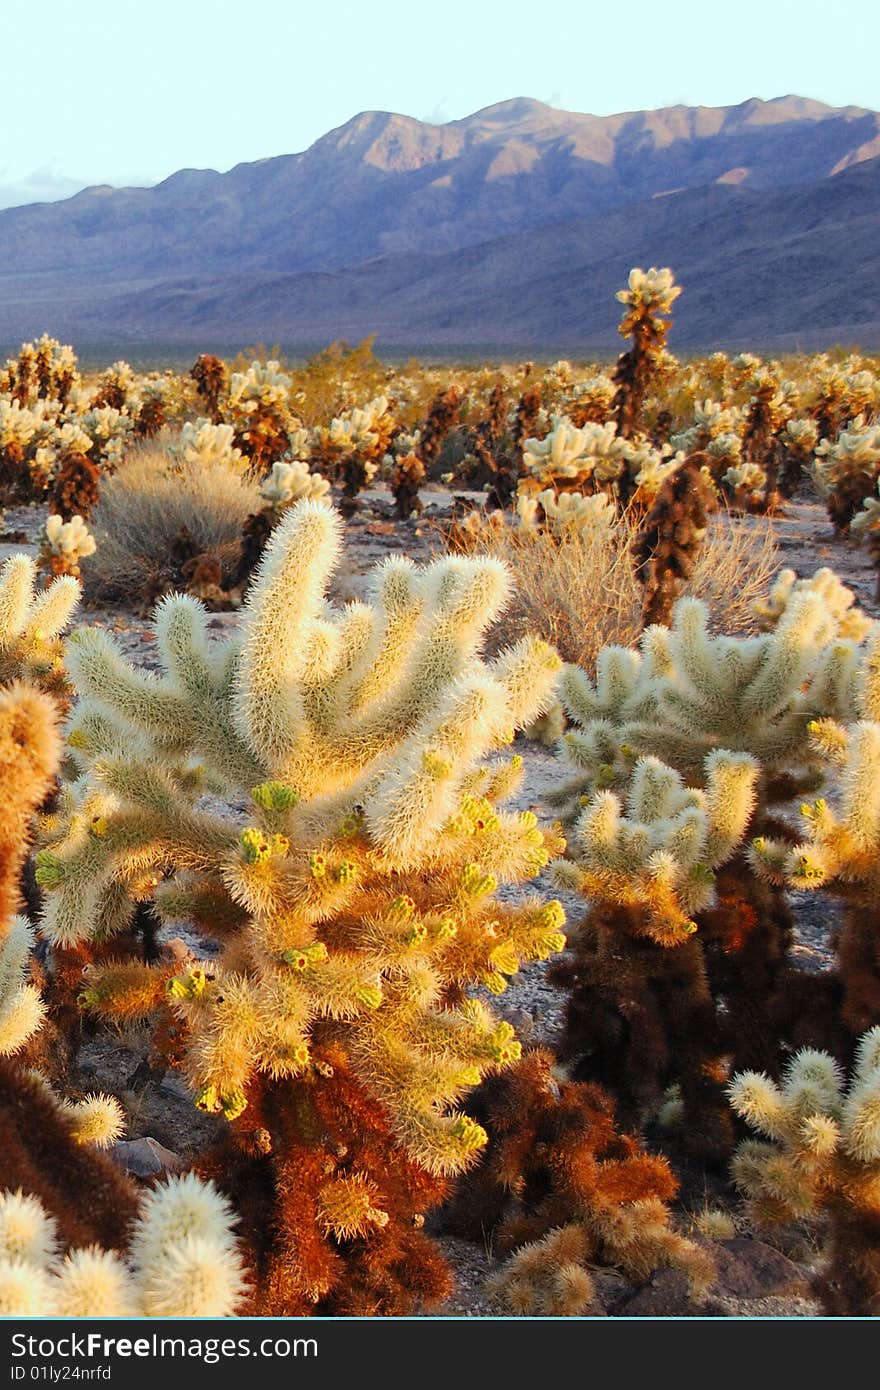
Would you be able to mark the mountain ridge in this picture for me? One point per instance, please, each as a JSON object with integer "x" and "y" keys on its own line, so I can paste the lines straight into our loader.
{"x": 383, "y": 188}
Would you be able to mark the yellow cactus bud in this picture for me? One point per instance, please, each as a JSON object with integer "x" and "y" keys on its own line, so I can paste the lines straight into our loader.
{"x": 493, "y": 981}
{"x": 476, "y": 882}
{"x": 403, "y": 906}
{"x": 255, "y": 846}
{"x": 469, "y": 1134}
{"x": 504, "y": 958}
{"x": 208, "y": 1100}
{"x": 188, "y": 986}
{"x": 233, "y": 1103}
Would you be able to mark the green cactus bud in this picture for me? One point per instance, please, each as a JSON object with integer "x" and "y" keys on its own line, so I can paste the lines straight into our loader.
{"x": 274, "y": 796}
{"x": 317, "y": 865}
{"x": 403, "y": 906}
{"x": 300, "y": 958}
{"x": 505, "y": 1047}
{"x": 49, "y": 871}
{"x": 550, "y": 916}
{"x": 469, "y": 1076}
{"x": 346, "y": 872}
{"x": 369, "y": 995}
{"x": 233, "y": 1103}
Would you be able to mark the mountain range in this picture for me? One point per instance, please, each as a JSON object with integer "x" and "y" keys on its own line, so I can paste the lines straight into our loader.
{"x": 507, "y": 230}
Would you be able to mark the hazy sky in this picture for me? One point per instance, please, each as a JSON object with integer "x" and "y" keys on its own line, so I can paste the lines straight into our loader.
{"x": 98, "y": 91}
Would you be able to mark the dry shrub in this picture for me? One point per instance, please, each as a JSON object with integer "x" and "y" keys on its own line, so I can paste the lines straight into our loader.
{"x": 581, "y": 593}
{"x": 148, "y": 504}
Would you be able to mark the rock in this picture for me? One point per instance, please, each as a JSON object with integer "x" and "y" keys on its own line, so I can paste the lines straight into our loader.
{"x": 144, "y": 1158}
{"x": 750, "y": 1268}
{"x": 666, "y": 1295}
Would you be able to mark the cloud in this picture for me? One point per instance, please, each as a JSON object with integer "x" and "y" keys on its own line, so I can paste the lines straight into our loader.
{"x": 44, "y": 185}
{"x": 440, "y": 114}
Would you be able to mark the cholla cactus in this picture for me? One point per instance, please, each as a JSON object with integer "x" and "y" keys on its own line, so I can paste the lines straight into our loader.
{"x": 202, "y": 443}
{"x": 841, "y": 850}
{"x": 648, "y": 300}
{"x": 30, "y": 625}
{"x": 110, "y": 431}
{"x": 839, "y": 601}
{"x": 642, "y": 1014}
{"x": 75, "y": 487}
{"x": 357, "y": 898}
{"x": 259, "y": 412}
{"x": 590, "y": 401}
{"x": 687, "y": 695}
{"x": 569, "y": 511}
{"x": 292, "y": 482}
{"x": 29, "y": 751}
{"x": 687, "y": 692}
{"x": 565, "y": 1191}
{"x": 355, "y": 443}
{"x": 182, "y": 1260}
{"x": 64, "y": 544}
{"x": 847, "y": 471}
{"x": 819, "y": 1158}
{"x": 209, "y": 374}
{"x": 797, "y": 440}
{"x": 658, "y": 853}
{"x": 746, "y": 484}
{"x": 115, "y": 386}
{"x": 594, "y": 458}
{"x": 667, "y": 545}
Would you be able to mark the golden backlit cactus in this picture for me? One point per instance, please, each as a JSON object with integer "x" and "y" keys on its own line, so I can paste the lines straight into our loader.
{"x": 693, "y": 697}
{"x": 357, "y": 898}
{"x": 818, "y": 1158}
{"x": 648, "y": 298}
{"x": 687, "y": 691}
{"x": 658, "y": 853}
{"x": 31, "y": 623}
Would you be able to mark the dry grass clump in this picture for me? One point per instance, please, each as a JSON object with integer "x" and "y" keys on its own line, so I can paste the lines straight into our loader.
{"x": 580, "y": 592}
{"x": 157, "y": 509}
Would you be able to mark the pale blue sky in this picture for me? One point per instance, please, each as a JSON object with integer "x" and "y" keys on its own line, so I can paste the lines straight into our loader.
{"x": 105, "y": 91}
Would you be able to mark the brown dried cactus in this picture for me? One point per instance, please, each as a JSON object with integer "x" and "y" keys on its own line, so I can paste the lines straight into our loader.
{"x": 666, "y": 547}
